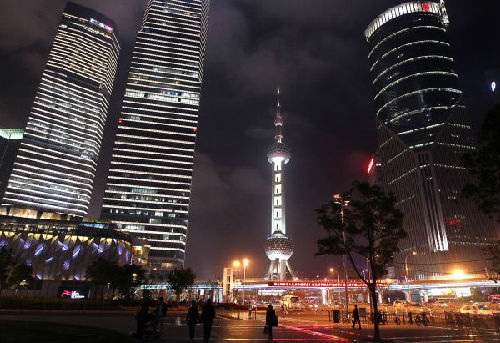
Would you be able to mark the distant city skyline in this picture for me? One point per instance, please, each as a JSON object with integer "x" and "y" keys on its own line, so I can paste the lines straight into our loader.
{"x": 317, "y": 53}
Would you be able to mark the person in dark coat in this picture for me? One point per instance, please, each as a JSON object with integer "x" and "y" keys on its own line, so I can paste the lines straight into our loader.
{"x": 161, "y": 312}
{"x": 355, "y": 317}
{"x": 207, "y": 317}
{"x": 192, "y": 319}
{"x": 142, "y": 317}
{"x": 271, "y": 320}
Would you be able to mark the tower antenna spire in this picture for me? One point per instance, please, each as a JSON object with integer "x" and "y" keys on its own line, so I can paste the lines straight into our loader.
{"x": 278, "y": 120}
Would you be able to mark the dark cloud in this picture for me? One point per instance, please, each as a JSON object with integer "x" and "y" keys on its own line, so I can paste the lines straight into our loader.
{"x": 315, "y": 50}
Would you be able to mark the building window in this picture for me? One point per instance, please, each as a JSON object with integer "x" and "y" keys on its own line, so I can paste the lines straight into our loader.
{"x": 277, "y": 201}
{"x": 277, "y": 177}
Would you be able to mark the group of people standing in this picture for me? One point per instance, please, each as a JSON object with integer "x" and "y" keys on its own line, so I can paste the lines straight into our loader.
{"x": 206, "y": 318}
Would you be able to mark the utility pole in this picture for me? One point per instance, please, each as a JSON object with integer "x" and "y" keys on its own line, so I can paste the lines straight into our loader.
{"x": 337, "y": 198}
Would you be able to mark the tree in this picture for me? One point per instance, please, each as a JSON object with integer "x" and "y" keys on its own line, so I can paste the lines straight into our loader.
{"x": 102, "y": 272}
{"x": 129, "y": 277}
{"x": 484, "y": 166}
{"x": 14, "y": 275}
{"x": 180, "y": 279}
{"x": 369, "y": 226}
{"x": 21, "y": 276}
{"x": 5, "y": 266}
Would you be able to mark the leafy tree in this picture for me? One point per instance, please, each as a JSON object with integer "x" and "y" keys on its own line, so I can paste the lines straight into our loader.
{"x": 21, "y": 276}
{"x": 5, "y": 266}
{"x": 12, "y": 274}
{"x": 180, "y": 279}
{"x": 370, "y": 226}
{"x": 484, "y": 165}
{"x": 130, "y": 276}
{"x": 103, "y": 273}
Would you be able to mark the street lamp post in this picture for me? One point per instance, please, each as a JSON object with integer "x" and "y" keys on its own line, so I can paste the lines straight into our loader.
{"x": 245, "y": 265}
{"x": 337, "y": 198}
{"x": 413, "y": 253}
{"x": 237, "y": 264}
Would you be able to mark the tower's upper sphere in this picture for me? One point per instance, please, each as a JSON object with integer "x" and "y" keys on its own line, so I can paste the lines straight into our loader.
{"x": 278, "y": 152}
{"x": 278, "y": 246}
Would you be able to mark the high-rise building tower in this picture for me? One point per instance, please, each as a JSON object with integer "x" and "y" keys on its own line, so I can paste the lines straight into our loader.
{"x": 10, "y": 140}
{"x": 422, "y": 134}
{"x": 55, "y": 166}
{"x": 149, "y": 179}
{"x": 278, "y": 245}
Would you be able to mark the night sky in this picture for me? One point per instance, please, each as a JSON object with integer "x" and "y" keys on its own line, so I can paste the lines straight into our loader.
{"x": 315, "y": 50}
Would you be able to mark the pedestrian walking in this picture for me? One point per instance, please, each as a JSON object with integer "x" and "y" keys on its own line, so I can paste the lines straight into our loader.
{"x": 271, "y": 320}
{"x": 207, "y": 317}
{"x": 141, "y": 317}
{"x": 192, "y": 319}
{"x": 161, "y": 312}
{"x": 355, "y": 317}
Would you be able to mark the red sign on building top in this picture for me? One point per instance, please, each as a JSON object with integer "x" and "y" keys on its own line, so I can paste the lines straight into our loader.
{"x": 425, "y": 7}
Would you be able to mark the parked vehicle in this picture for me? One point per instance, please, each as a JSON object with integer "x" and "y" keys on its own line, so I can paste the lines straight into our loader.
{"x": 292, "y": 302}
{"x": 400, "y": 303}
{"x": 422, "y": 319}
{"x": 494, "y": 298}
{"x": 488, "y": 308}
{"x": 469, "y": 309}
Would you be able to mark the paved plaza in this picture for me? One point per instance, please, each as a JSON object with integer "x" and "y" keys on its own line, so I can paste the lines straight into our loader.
{"x": 291, "y": 329}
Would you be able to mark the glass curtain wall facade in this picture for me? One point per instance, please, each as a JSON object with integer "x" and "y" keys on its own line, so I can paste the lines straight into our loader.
{"x": 55, "y": 166}
{"x": 422, "y": 134}
{"x": 149, "y": 178}
{"x": 10, "y": 140}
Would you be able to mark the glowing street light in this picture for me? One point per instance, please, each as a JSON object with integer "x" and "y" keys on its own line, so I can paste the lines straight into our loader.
{"x": 236, "y": 265}
{"x": 332, "y": 270}
{"x": 458, "y": 274}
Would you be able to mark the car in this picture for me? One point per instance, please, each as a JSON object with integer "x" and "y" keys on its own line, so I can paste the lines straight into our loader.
{"x": 469, "y": 309}
{"x": 400, "y": 303}
{"x": 488, "y": 308}
{"x": 480, "y": 308}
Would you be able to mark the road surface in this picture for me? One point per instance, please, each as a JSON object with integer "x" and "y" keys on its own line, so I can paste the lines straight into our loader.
{"x": 291, "y": 329}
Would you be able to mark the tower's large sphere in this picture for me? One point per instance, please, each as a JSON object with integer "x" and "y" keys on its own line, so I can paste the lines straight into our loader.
{"x": 278, "y": 151}
{"x": 278, "y": 246}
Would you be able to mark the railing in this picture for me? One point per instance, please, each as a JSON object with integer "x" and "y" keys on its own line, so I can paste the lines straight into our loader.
{"x": 452, "y": 319}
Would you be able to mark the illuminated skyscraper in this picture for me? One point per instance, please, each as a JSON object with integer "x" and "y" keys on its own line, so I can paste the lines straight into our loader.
{"x": 278, "y": 246}
{"x": 10, "y": 140}
{"x": 55, "y": 166}
{"x": 422, "y": 134}
{"x": 149, "y": 179}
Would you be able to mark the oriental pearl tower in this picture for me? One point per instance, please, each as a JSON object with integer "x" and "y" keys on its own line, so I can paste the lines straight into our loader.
{"x": 278, "y": 246}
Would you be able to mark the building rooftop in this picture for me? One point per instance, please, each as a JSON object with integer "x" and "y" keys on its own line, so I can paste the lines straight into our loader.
{"x": 405, "y": 8}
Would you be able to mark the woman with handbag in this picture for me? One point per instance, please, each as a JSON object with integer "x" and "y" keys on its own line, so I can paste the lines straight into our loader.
{"x": 271, "y": 320}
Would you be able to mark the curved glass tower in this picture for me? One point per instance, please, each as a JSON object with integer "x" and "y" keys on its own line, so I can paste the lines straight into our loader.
{"x": 149, "y": 180}
{"x": 56, "y": 162}
{"x": 422, "y": 133}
